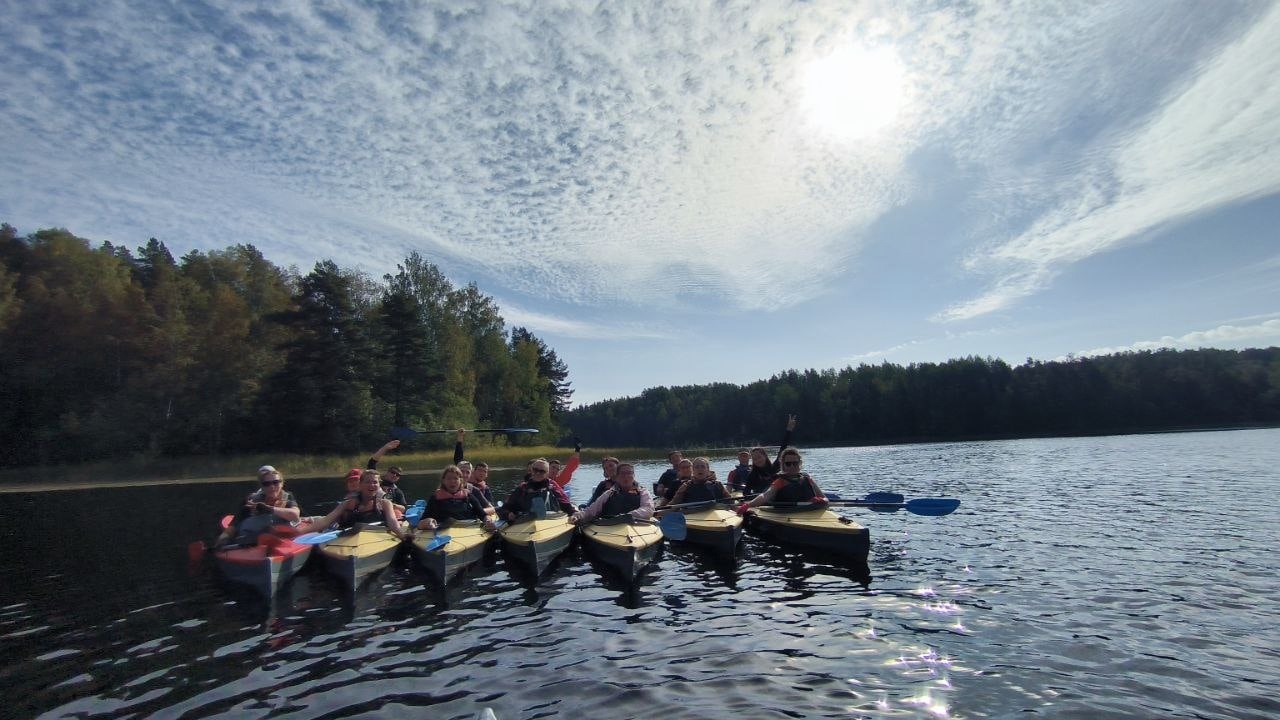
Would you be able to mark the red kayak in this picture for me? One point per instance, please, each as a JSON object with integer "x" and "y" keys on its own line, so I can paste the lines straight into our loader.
{"x": 267, "y": 565}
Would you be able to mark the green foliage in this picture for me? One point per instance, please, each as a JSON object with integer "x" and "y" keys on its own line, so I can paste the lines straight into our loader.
{"x": 959, "y": 399}
{"x": 107, "y": 353}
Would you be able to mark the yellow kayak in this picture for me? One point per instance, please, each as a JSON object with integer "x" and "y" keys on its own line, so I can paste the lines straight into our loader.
{"x": 537, "y": 542}
{"x": 467, "y": 542}
{"x": 356, "y": 555}
{"x": 716, "y": 528}
{"x": 817, "y": 528}
{"x": 628, "y": 546}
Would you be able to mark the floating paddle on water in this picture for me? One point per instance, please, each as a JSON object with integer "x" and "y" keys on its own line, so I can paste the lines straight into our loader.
{"x": 406, "y": 433}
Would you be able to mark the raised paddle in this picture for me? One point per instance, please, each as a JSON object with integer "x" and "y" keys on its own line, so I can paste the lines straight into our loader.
{"x": 406, "y": 433}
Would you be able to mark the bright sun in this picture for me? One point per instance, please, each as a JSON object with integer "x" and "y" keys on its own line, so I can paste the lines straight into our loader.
{"x": 854, "y": 92}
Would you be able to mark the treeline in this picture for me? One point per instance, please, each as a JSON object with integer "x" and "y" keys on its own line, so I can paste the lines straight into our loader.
{"x": 961, "y": 399}
{"x": 106, "y": 352}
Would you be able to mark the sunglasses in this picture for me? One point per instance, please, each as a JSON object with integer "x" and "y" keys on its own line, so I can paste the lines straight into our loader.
{"x": 270, "y": 482}
{"x": 538, "y": 471}
{"x": 791, "y": 463}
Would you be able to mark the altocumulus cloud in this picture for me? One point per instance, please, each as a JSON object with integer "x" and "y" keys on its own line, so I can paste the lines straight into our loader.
{"x": 596, "y": 154}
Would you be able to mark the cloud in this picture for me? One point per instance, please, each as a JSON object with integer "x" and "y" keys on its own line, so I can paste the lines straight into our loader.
{"x": 516, "y": 316}
{"x": 1240, "y": 336}
{"x": 1213, "y": 143}
{"x": 597, "y": 154}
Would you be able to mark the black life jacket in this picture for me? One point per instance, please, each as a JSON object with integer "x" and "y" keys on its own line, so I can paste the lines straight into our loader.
{"x": 799, "y": 490}
{"x": 621, "y": 501}
{"x": 738, "y": 476}
{"x": 373, "y": 515}
{"x": 705, "y": 491}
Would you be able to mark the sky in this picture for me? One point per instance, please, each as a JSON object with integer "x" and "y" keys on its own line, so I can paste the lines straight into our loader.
{"x": 684, "y": 193}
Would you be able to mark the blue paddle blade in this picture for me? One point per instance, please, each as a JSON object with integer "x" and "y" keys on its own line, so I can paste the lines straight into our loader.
{"x": 420, "y": 503}
{"x": 316, "y": 538}
{"x": 932, "y": 506}
{"x": 438, "y": 542}
{"x": 538, "y": 507}
{"x": 673, "y": 526}
{"x": 413, "y": 515}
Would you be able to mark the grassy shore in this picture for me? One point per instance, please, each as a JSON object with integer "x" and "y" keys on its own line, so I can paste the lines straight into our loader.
{"x": 196, "y": 469}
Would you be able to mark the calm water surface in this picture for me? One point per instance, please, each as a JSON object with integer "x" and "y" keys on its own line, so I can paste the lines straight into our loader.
{"x": 1100, "y": 577}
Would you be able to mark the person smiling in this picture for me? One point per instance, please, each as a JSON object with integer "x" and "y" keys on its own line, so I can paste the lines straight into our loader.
{"x": 702, "y": 487}
{"x": 624, "y": 497}
{"x": 454, "y": 500}
{"x": 366, "y": 505}
{"x": 792, "y": 485}
{"x": 539, "y": 483}
{"x": 270, "y": 502}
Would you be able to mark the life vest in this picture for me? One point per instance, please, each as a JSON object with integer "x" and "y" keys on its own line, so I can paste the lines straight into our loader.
{"x": 799, "y": 490}
{"x": 481, "y": 489}
{"x": 704, "y": 491}
{"x": 621, "y": 501}
{"x": 600, "y": 489}
{"x": 759, "y": 479}
{"x": 373, "y": 515}
{"x": 738, "y": 476}
{"x": 453, "y": 506}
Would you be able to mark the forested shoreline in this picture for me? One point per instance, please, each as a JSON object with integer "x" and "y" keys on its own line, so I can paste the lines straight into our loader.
{"x": 108, "y": 353}
{"x": 964, "y": 399}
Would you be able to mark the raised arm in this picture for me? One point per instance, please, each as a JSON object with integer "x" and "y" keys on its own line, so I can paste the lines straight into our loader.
{"x": 373, "y": 459}
{"x": 457, "y": 446}
{"x": 786, "y": 440}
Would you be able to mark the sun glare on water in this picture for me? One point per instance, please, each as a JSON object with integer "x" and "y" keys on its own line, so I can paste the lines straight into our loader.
{"x": 854, "y": 92}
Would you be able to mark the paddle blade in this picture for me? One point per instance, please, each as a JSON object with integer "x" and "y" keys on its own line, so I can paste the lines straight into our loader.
{"x": 538, "y": 507}
{"x": 227, "y": 520}
{"x": 316, "y": 538}
{"x": 413, "y": 515}
{"x": 673, "y": 526}
{"x": 438, "y": 542}
{"x": 932, "y": 506}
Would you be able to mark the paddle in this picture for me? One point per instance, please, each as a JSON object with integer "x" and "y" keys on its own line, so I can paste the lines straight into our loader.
{"x": 932, "y": 507}
{"x": 437, "y": 542}
{"x": 414, "y": 513}
{"x": 673, "y": 526}
{"x": 405, "y": 433}
{"x": 316, "y": 538}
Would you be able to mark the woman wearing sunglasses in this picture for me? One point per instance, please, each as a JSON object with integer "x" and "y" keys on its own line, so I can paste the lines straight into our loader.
{"x": 538, "y": 483}
{"x": 272, "y": 503}
{"x": 790, "y": 485}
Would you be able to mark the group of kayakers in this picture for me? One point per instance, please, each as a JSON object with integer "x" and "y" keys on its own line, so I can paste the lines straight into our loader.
{"x": 464, "y": 494}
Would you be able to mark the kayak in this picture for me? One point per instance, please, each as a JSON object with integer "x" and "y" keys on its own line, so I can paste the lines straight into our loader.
{"x": 623, "y": 544}
{"x": 715, "y": 528}
{"x": 817, "y": 528}
{"x": 355, "y": 555}
{"x": 266, "y": 566}
{"x": 467, "y": 542}
{"x": 537, "y": 542}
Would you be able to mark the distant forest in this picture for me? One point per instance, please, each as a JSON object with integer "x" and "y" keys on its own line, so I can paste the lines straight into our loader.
{"x": 971, "y": 398}
{"x": 106, "y": 352}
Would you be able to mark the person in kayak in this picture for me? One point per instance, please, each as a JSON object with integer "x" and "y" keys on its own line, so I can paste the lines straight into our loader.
{"x": 391, "y": 488}
{"x": 624, "y": 497}
{"x": 790, "y": 486}
{"x": 666, "y": 487}
{"x": 610, "y": 467}
{"x": 521, "y": 499}
{"x": 353, "y": 480}
{"x": 737, "y": 480}
{"x": 366, "y": 505}
{"x": 702, "y": 487}
{"x": 270, "y": 505}
{"x": 668, "y": 477}
{"x": 478, "y": 484}
{"x": 562, "y": 475}
{"x": 454, "y": 500}
{"x": 762, "y": 470}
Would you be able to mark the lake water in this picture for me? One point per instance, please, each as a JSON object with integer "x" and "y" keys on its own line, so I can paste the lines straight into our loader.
{"x": 1113, "y": 577}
